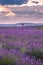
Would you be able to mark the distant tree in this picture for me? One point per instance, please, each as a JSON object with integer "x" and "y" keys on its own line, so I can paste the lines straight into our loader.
{"x": 22, "y": 24}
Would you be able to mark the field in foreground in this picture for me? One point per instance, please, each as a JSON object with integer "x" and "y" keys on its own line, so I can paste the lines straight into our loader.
{"x": 21, "y": 45}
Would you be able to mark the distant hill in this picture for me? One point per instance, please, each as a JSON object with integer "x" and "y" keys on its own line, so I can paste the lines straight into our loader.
{"x": 21, "y": 24}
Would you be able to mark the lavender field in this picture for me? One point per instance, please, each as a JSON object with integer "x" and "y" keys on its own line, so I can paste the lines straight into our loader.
{"x": 21, "y": 45}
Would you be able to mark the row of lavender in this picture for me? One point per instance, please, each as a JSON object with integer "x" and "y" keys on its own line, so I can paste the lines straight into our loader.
{"x": 21, "y": 45}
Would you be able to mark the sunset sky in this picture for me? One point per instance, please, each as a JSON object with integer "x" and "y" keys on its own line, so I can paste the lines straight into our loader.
{"x": 21, "y": 11}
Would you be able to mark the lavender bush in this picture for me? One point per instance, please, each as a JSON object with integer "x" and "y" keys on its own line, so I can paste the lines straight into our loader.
{"x": 21, "y": 45}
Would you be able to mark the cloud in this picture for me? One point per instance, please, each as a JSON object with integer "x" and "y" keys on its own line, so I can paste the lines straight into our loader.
{"x": 36, "y": 11}
{"x": 4, "y": 9}
{"x": 11, "y": 2}
{"x": 31, "y": 11}
{"x": 10, "y": 14}
{"x": 22, "y": 14}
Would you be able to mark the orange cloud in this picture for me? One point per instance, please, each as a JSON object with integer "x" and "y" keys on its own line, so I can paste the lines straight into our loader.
{"x": 4, "y": 9}
{"x": 10, "y": 14}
